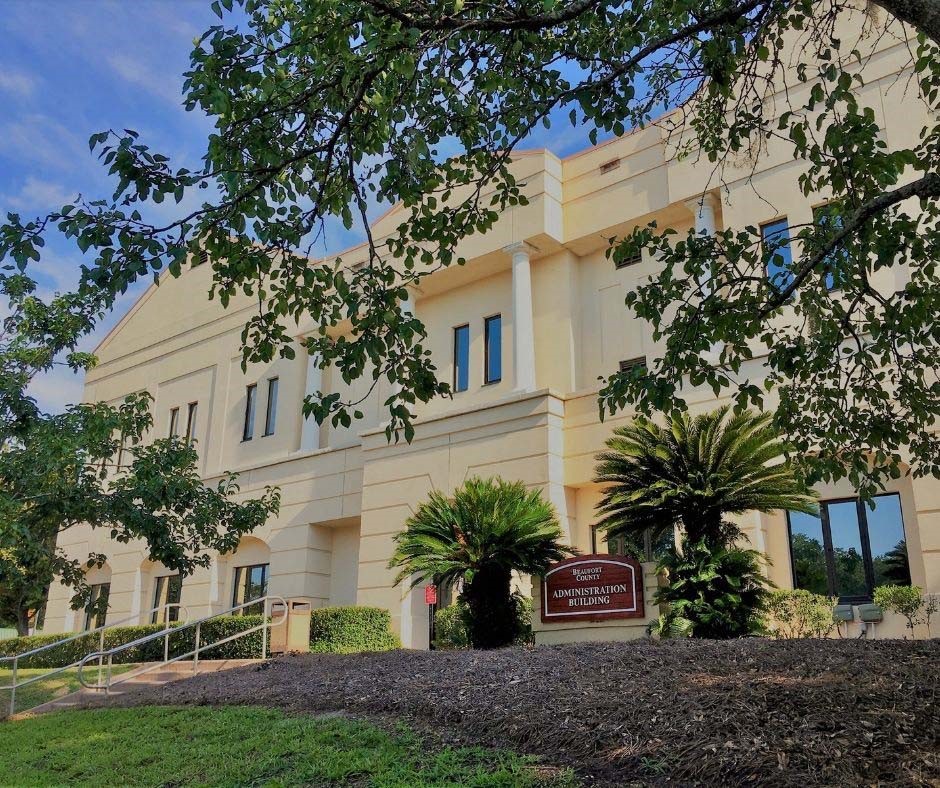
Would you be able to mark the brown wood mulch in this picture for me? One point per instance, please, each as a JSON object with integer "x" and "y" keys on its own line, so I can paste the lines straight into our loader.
{"x": 748, "y": 712}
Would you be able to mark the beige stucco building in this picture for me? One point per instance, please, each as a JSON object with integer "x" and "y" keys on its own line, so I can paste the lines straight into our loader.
{"x": 529, "y": 409}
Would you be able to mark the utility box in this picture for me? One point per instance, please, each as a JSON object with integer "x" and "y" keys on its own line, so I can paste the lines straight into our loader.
{"x": 290, "y": 632}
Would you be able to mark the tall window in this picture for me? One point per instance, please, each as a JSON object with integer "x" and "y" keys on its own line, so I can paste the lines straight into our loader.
{"x": 778, "y": 259}
{"x": 174, "y": 422}
{"x": 251, "y": 394}
{"x": 849, "y": 549}
{"x": 251, "y": 582}
{"x": 191, "y": 413}
{"x": 167, "y": 591}
{"x": 270, "y": 415}
{"x": 493, "y": 349}
{"x": 461, "y": 358}
{"x": 828, "y": 218}
{"x": 120, "y": 457}
{"x": 96, "y": 611}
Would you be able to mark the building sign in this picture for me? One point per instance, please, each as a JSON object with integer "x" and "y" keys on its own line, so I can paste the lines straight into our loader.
{"x": 593, "y": 588}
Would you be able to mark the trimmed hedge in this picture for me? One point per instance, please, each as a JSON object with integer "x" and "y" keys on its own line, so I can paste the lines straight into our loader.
{"x": 347, "y": 630}
{"x": 338, "y": 630}
{"x": 247, "y": 647}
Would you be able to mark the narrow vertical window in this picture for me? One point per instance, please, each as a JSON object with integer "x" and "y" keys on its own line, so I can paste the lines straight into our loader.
{"x": 270, "y": 414}
{"x": 168, "y": 591}
{"x": 96, "y": 611}
{"x": 251, "y": 394}
{"x": 174, "y": 422}
{"x": 493, "y": 349}
{"x": 828, "y": 219}
{"x": 461, "y": 358}
{"x": 778, "y": 260}
{"x": 191, "y": 421}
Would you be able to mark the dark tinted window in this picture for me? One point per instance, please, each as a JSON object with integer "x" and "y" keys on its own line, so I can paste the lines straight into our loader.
{"x": 461, "y": 358}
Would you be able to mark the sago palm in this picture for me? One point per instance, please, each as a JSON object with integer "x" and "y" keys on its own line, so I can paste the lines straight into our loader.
{"x": 693, "y": 473}
{"x": 487, "y": 530}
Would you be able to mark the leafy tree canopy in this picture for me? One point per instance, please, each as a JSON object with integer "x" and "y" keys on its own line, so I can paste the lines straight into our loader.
{"x": 92, "y": 464}
{"x": 323, "y": 108}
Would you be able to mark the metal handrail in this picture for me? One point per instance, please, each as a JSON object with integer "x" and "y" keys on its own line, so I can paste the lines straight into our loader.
{"x": 17, "y": 658}
{"x": 264, "y": 626}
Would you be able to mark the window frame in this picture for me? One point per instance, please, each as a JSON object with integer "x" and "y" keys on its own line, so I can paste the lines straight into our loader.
{"x": 767, "y": 258}
{"x": 270, "y": 409}
{"x": 628, "y": 364}
{"x": 101, "y": 616}
{"x": 627, "y": 262}
{"x": 487, "y": 322}
{"x": 457, "y": 365}
{"x": 192, "y": 413}
{"x": 251, "y": 401}
{"x": 832, "y": 286}
{"x": 265, "y": 578}
{"x": 174, "y": 427}
{"x": 829, "y": 550}
{"x": 165, "y": 616}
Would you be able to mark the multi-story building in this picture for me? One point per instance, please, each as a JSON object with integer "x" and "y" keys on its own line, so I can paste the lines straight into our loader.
{"x": 525, "y": 331}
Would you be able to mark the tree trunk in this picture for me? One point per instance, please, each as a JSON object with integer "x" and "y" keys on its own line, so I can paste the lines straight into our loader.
{"x": 922, "y": 15}
{"x": 492, "y": 615}
{"x": 22, "y": 621}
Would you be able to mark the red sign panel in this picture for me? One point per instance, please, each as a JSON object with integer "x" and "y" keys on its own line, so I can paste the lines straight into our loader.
{"x": 593, "y": 588}
{"x": 430, "y": 595}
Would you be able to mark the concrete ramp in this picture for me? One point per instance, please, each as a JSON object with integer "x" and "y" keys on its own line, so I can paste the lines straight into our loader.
{"x": 153, "y": 674}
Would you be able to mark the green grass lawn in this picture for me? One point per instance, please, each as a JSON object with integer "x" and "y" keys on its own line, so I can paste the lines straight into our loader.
{"x": 44, "y": 689}
{"x": 234, "y": 746}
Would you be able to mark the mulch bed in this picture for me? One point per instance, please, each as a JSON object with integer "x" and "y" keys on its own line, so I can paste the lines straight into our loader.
{"x": 754, "y": 712}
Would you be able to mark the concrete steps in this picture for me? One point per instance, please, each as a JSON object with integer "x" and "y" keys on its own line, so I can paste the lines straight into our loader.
{"x": 147, "y": 675}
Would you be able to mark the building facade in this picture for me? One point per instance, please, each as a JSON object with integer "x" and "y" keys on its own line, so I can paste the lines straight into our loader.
{"x": 525, "y": 330}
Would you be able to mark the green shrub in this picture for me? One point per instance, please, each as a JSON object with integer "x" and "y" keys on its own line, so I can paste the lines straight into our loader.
{"x": 523, "y": 605}
{"x": 908, "y": 601}
{"x": 181, "y": 641}
{"x": 452, "y": 627}
{"x": 798, "y": 613}
{"x": 347, "y": 630}
{"x": 713, "y": 592}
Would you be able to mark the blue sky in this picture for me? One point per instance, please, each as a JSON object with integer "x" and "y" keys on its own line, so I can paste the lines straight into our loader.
{"x": 67, "y": 70}
{"x": 71, "y": 68}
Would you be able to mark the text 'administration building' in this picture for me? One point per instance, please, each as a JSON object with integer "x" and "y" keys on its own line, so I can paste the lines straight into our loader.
{"x": 524, "y": 330}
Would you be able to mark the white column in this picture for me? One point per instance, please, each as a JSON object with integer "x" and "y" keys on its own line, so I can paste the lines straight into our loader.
{"x": 213, "y": 582}
{"x": 523, "y": 335}
{"x": 703, "y": 208}
{"x": 310, "y": 431}
{"x": 407, "y": 308}
{"x": 136, "y": 598}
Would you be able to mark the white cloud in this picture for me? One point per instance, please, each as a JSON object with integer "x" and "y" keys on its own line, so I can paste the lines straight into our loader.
{"x": 38, "y": 195}
{"x": 57, "y": 388}
{"x": 40, "y": 139}
{"x": 17, "y": 83}
{"x": 140, "y": 75}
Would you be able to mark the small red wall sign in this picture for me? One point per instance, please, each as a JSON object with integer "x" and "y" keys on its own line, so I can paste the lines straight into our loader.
{"x": 593, "y": 588}
{"x": 430, "y": 595}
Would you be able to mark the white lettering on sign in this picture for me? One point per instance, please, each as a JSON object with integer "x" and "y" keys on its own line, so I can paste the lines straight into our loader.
{"x": 564, "y": 593}
{"x": 593, "y": 586}
{"x": 588, "y": 573}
